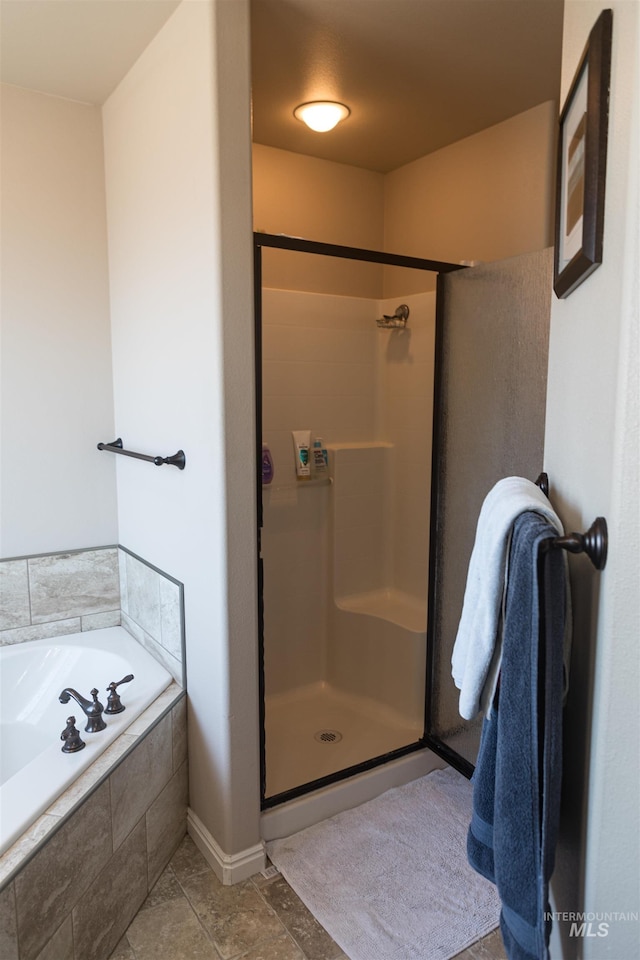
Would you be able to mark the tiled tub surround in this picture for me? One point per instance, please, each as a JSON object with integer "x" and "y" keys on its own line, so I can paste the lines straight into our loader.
{"x": 49, "y": 596}
{"x": 55, "y": 594}
{"x": 73, "y": 883}
{"x": 152, "y": 610}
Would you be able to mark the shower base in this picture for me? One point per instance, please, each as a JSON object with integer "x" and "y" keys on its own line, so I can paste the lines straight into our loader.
{"x": 317, "y": 730}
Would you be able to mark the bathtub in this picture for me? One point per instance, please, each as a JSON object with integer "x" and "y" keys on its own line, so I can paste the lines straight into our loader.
{"x": 34, "y": 771}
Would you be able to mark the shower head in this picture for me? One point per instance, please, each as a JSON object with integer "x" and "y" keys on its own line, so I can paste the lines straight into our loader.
{"x": 397, "y": 321}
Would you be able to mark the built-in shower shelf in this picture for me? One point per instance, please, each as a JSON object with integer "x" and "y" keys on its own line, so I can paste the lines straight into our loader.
{"x": 388, "y": 604}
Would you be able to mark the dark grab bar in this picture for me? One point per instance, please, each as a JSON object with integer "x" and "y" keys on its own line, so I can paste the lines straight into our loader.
{"x": 177, "y": 460}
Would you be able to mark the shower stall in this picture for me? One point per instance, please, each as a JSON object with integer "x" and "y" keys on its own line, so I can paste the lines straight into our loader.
{"x": 346, "y": 349}
{"x": 427, "y": 383}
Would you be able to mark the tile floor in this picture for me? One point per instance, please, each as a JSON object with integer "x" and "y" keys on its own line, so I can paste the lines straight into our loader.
{"x": 190, "y": 915}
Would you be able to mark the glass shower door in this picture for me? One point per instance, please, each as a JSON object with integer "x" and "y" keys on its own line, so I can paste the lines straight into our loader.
{"x": 343, "y": 565}
{"x": 489, "y": 422}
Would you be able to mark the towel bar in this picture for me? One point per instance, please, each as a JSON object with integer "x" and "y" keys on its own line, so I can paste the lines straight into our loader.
{"x": 594, "y": 542}
{"x": 177, "y": 460}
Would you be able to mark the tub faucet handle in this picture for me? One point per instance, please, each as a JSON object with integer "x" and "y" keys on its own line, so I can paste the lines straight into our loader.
{"x": 71, "y": 737}
{"x": 114, "y": 704}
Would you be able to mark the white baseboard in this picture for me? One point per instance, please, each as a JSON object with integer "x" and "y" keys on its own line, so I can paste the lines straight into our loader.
{"x": 229, "y": 868}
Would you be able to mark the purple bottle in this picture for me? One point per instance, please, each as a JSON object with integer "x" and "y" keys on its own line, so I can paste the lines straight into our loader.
{"x": 267, "y": 465}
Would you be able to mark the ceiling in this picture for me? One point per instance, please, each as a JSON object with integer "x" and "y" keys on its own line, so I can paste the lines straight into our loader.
{"x": 417, "y": 74}
{"x": 78, "y": 49}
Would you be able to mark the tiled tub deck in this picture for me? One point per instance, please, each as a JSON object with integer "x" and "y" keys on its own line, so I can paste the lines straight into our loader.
{"x": 72, "y": 884}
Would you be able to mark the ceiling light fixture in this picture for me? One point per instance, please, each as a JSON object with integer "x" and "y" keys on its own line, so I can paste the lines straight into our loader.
{"x": 321, "y": 115}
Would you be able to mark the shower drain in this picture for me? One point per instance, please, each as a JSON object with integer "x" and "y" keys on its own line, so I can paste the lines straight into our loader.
{"x": 327, "y": 736}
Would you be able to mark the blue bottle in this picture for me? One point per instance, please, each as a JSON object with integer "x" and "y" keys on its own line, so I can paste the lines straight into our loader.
{"x": 320, "y": 458}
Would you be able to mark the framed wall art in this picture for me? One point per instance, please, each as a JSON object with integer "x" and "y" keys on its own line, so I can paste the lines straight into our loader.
{"x": 582, "y": 162}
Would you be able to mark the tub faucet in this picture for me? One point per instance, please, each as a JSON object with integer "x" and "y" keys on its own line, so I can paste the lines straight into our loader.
{"x": 92, "y": 709}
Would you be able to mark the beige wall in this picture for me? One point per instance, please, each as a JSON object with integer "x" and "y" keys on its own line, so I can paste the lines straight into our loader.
{"x": 483, "y": 198}
{"x": 592, "y": 454}
{"x": 318, "y": 200}
{"x": 58, "y": 491}
{"x": 180, "y": 257}
{"x": 182, "y": 319}
{"x": 486, "y": 197}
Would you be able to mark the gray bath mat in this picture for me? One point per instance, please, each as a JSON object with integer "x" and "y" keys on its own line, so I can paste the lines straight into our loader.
{"x": 389, "y": 880}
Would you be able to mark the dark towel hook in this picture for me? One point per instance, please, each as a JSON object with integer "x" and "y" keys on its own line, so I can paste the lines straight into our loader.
{"x": 177, "y": 460}
{"x": 594, "y": 542}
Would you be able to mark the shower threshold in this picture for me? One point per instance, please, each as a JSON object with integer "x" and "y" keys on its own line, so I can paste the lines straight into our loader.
{"x": 297, "y": 752}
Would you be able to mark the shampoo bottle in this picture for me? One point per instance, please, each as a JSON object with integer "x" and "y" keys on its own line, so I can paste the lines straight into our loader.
{"x": 320, "y": 458}
{"x": 267, "y": 465}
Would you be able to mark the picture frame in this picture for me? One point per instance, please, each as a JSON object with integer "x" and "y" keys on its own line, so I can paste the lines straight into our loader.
{"x": 581, "y": 164}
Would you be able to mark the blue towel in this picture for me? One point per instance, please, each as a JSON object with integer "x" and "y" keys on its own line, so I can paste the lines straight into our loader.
{"x": 516, "y": 798}
{"x": 477, "y": 651}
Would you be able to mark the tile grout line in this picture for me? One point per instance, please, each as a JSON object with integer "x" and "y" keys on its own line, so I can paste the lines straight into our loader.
{"x": 29, "y": 592}
{"x": 185, "y": 896}
{"x": 284, "y": 925}
{"x": 130, "y": 945}
{"x": 269, "y": 881}
{"x": 260, "y": 942}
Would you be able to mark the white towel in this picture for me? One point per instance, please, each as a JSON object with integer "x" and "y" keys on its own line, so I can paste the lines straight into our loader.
{"x": 478, "y": 648}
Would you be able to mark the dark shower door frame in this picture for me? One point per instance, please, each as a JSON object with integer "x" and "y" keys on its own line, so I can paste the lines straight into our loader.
{"x": 282, "y": 242}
